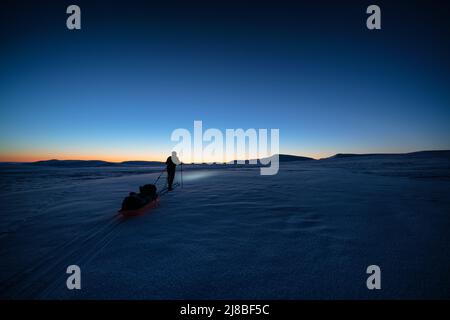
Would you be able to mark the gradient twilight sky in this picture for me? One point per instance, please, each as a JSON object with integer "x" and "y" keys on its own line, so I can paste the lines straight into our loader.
{"x": 137, "y": 70}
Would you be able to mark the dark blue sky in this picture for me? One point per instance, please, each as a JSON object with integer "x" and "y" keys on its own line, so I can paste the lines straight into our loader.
{"x": 138, "y": 70}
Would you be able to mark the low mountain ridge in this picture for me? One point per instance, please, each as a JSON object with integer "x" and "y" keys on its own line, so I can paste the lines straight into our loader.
{"x": 282, "y": 158}
{"x": 417, "y": 154}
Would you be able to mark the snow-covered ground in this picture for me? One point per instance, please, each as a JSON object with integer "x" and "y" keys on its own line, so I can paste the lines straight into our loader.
{"x": 309, "y": 232}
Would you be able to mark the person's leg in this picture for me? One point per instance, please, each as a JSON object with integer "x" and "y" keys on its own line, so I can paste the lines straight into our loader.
{"x": 170, "y": 178}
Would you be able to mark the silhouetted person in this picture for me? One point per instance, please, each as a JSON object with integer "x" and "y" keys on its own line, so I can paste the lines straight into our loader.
{"x": 171, "y": 163}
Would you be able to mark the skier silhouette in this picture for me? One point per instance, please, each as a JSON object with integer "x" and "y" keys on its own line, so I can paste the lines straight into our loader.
{"x": 171, "y": 164}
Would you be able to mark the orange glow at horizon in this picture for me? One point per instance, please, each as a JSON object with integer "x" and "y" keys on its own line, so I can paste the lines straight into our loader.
{"x": 31, "y": 157}
{"x": 119, "y": 154}
{"x": 123, "y": 156}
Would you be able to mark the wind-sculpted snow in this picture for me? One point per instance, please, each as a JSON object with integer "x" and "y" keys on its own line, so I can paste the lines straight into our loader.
{"x": 309, "y": 232}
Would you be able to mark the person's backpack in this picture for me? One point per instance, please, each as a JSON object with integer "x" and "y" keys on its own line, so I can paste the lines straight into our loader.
{"x": 148, "y": 190}
{"x": 133, "y": 202}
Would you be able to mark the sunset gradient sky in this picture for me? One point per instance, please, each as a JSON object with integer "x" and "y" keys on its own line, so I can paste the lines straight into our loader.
{"x": 116, "y": 89}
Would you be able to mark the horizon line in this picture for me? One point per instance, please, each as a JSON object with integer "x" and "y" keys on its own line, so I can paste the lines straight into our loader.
{"x": 286, "y": 154}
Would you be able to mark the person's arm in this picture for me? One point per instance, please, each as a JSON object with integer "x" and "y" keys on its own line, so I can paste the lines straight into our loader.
{"x": 176, "y": 160}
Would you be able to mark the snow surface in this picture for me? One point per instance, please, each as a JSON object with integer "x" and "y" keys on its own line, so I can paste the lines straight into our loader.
{"x": 307, "y": 233}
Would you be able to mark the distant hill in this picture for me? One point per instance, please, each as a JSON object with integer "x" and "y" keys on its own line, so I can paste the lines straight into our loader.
{"x": 282, "y": 158}
{"x": 91, "y": 163}
{"x": 141, "y": 163}
{"x": 417, "y": 154}
{"x": 289, "y": 158}
{"x": 73, "y": 163}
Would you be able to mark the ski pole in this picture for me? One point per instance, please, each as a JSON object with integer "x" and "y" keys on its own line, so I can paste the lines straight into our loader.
{"x": 182, "y": 174}
{"x": 159, "y": 176}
